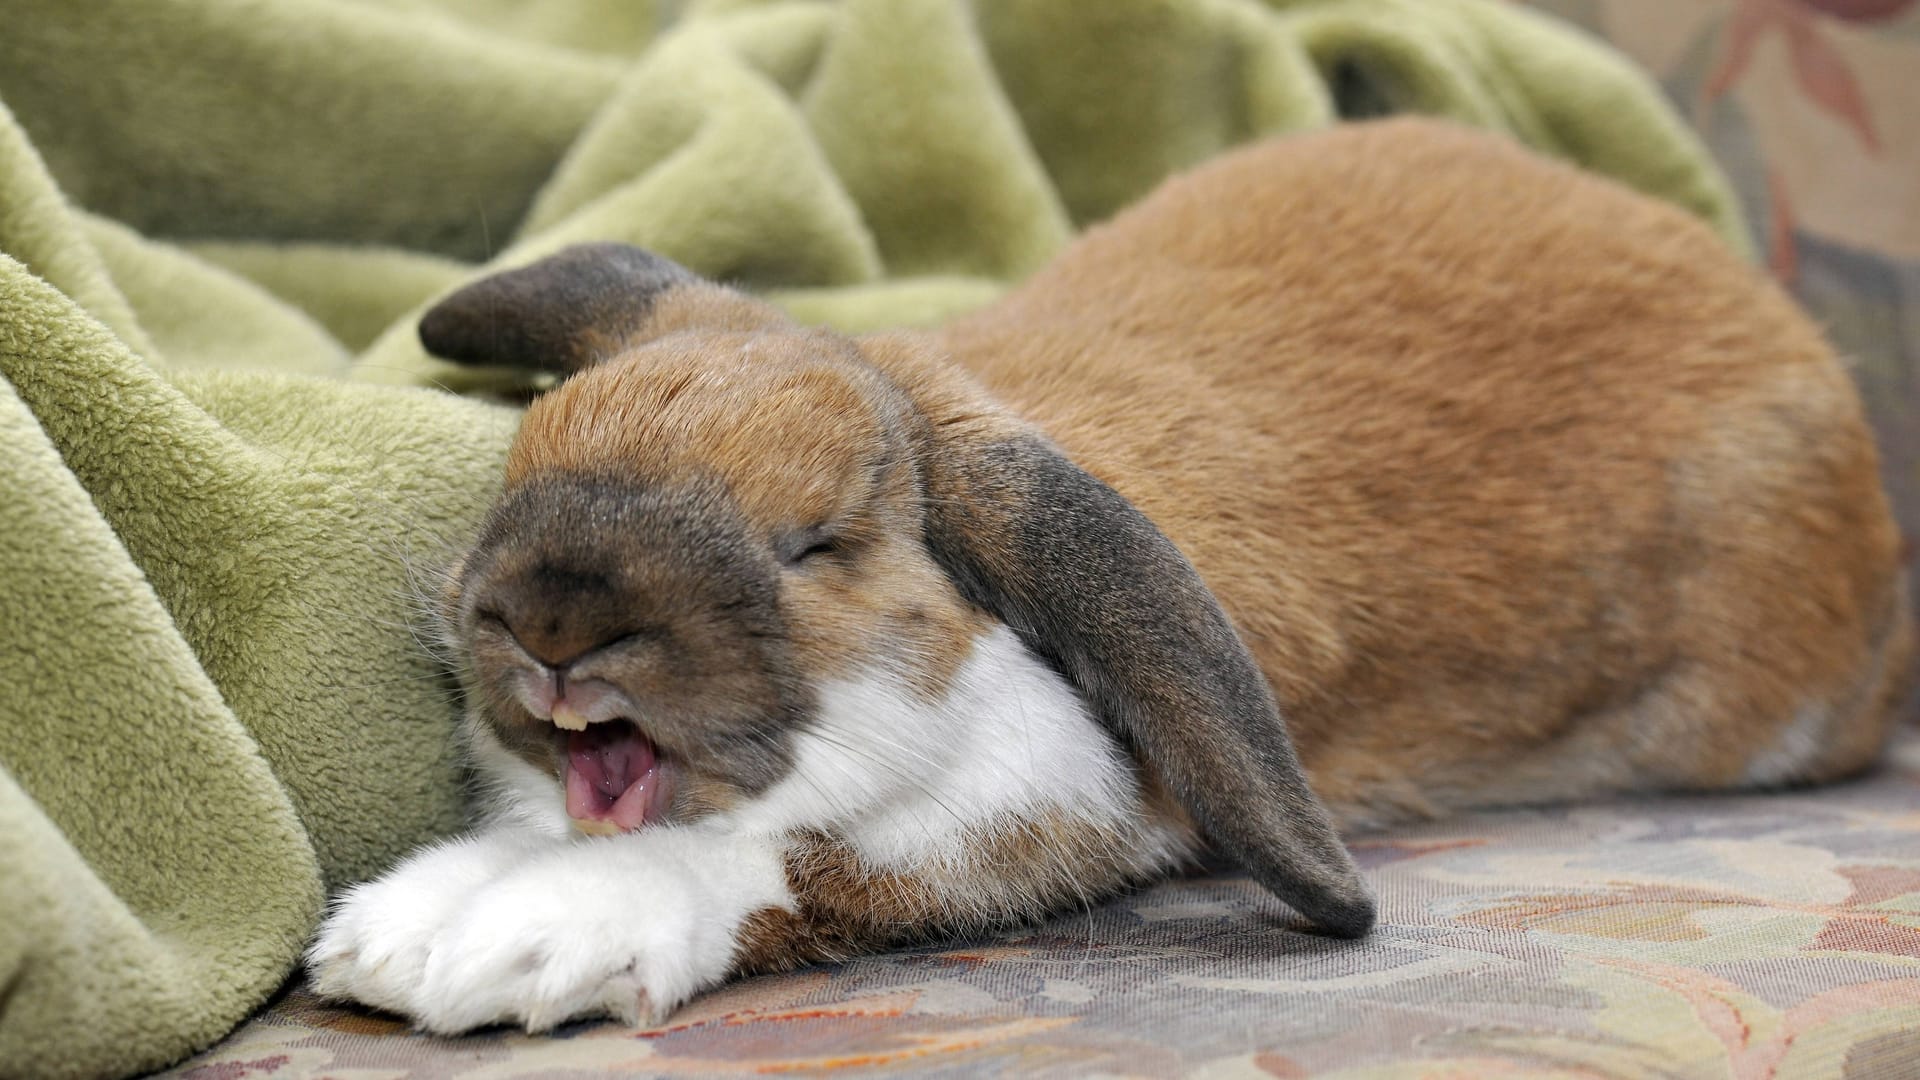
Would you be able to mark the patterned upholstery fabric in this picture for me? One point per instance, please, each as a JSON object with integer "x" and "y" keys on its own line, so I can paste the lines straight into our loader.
{"x": 1752, "y": 936}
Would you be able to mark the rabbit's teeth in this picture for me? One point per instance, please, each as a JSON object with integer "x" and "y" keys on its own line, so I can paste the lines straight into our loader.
{"x": 567, "y": 718}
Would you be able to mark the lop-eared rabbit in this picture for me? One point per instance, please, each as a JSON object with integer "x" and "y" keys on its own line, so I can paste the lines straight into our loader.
{"x": 1352, "y": 478}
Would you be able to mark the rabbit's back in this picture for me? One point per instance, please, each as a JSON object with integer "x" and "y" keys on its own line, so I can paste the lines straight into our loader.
{"x": 1519, "y": 485}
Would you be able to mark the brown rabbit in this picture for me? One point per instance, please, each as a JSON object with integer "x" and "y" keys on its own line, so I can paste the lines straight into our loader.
{"x": 1508, "y": 484}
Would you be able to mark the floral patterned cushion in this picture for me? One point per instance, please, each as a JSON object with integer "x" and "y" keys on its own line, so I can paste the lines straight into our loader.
{"x": 1743, "y": 936}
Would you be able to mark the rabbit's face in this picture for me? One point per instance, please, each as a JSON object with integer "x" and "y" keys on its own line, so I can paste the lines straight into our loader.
{"x": 692, "y": 540}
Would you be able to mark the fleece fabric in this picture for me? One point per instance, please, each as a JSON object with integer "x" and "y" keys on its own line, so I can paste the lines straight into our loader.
{"x": 227, "y": 471}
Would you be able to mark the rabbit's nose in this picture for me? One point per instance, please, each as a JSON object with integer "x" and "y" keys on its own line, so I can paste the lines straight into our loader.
{"x": 567, "y": 687}
{"x": 560, "y": 641}
{"x": 562, "y": 608}
{"x": 554, "y": 639}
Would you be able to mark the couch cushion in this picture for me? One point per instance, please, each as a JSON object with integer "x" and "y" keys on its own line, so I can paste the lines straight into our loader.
{"x": 1754, "y": 935}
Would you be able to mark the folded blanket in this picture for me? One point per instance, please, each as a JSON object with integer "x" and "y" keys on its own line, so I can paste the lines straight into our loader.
{"x": 227, "y": 473}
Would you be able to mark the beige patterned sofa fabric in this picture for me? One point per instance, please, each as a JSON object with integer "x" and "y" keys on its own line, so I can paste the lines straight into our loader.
{"x": 1751, "y": 937}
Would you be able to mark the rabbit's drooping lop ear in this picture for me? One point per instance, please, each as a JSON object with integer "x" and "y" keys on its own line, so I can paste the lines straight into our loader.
{"x": 1088, "y": 582}
{"x": 1068, "y": 563}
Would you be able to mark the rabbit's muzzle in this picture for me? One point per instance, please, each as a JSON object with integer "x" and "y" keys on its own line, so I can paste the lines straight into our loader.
{"x": 622, "y": 633}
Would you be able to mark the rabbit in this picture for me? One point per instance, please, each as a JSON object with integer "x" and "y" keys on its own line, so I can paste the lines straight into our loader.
{"x": 1352, "y": 478}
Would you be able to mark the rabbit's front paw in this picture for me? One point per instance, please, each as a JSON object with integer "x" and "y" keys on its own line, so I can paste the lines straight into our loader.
{"x": 628, "y": 927}
{"x": 536, "y": 951}
{"x": 372, "y": 948}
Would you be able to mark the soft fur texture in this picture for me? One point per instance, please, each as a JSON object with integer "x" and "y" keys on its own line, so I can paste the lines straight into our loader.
{"x": 1512, "y": 486}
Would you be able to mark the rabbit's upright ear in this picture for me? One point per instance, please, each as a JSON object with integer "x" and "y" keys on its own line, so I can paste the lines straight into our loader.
{"x": 585, "y": 304}
{"x": 1088, "y": 582}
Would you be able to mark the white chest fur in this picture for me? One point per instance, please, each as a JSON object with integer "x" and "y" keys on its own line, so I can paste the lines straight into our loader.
{"x": 906, "y": 781}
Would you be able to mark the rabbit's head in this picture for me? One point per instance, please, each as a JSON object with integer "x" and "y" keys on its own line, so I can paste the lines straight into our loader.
{"x": 721, "y": 525}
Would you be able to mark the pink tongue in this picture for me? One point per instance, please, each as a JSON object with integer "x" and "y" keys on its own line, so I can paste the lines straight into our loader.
{"x": 611, "y": 774}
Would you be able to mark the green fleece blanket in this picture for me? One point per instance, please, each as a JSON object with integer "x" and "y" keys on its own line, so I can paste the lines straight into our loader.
{"x": 225, "y": 470}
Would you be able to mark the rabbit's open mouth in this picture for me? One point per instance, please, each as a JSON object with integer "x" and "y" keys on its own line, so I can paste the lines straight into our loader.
{"x": 616, "y": 780}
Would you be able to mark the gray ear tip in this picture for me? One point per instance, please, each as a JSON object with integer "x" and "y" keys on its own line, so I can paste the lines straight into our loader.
{"x": 445, "y": 330}
{"x": 1339, "y": 907}
{"x": 1350, "y": 916}
{"x": 537, "y": 315}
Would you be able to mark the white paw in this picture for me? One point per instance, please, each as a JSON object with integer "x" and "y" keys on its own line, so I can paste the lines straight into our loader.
{"x": 373, "y": 946}
{"x": 627, "y": 927}
{"x": 613, "y": 928}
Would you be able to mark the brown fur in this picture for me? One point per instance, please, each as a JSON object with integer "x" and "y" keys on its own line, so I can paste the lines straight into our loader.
{"x": 1018, "y": 870}
{"x": 1516, "y": 486}
{"x": 1376, "y": 383}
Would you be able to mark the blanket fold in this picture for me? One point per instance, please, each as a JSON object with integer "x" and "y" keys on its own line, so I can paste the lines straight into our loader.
{"x": 229, "y": 472}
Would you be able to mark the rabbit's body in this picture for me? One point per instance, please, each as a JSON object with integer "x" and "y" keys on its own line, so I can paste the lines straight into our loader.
{"x": 1519, "y": 488}
{"x": 1510, "y": 485}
